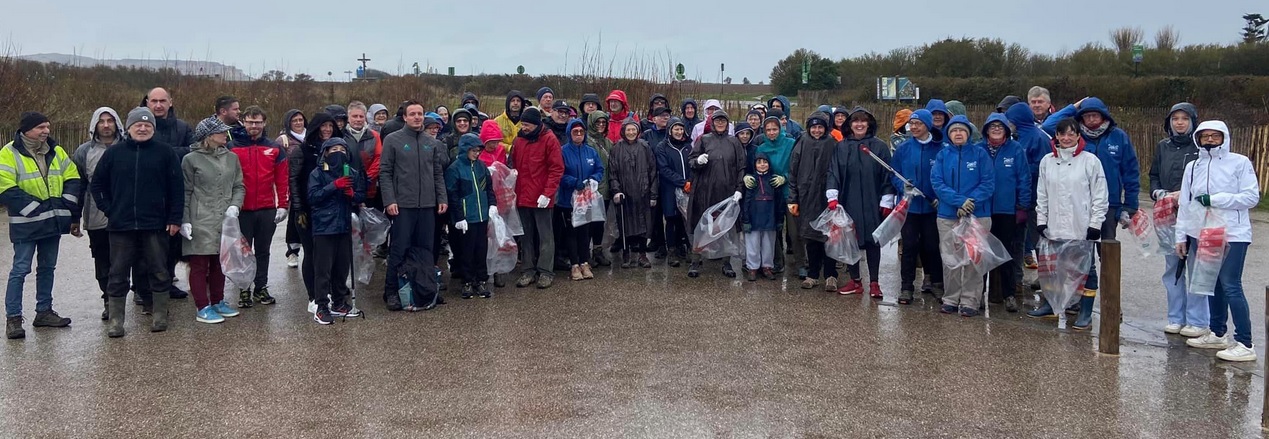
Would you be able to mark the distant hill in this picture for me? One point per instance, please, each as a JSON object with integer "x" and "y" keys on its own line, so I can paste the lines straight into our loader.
{"x": 192, "y": 68}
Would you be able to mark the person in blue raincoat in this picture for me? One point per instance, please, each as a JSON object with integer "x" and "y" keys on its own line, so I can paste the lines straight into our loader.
{"x": 1103, "y": 137}
{"x": 1010, "y": 204}
{"x": 913, "y": 160}
{"x": 1035, "y": 144}
{"x": 940, "y": 114}
{"x": 782, "y": 103}
{"x": 963, "y": 179}
{"x": 673, "y": 175}
{"x": 582, "y": 168}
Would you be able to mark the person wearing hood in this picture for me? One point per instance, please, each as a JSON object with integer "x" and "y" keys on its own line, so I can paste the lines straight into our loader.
{"x": 782, "y": 103}
{"x": 139, "y": 171}
{"x": 1071, "y": 205}
{"x": 1035, "y": 144}
{"x": 214, "y": 190}
{"x": 1187, "y": 313}
{"x": 632, "y": 178}
{"x": 461, "y": 123}
{"x": 956, "y": 108}
{"x": 546, "y": 99}
{"x": 365, "y": 148}
{"x": 536, "y": 158}
{"x": 760, "y": 108}
{"x": 597, "y": 138}
{"x": 745, "y": 133}
{"x": 590, "y": 103}
{"x": 265, "y": 179}
{"x": 470, "y": 98}
{"x": 939, "y": 114}
{"x": 809, "y": 170}
{"x": 412, "y": 180}
{"x": 334, "y": 188}
{"x": 396, "y": 123}
{"x": 1010, "y": 204}
{"x": 706, "y": 125}
{"x": 444, "y": 116}
{"x": 40, "y": 187}
{"x": 339, "y": 113}
{"x": 753, "y": 119}
{"x": 718, "y": 171}
{"x": 558, "y": 120}
{"x": 104, "y": 130}
{"x": 432, "y": 125}
{"x": 965, "y": 182}
{"x": 841, "y": 115}
{"x": 378, "y": 116}
{"x": 618, "y": 112}
{"x": 1104, "y": 139}
{"x": 899, "y": 134}
{"x": 470, "y": 189}
{"x": 301, "y": 163}
{"x": 509, "y": 120}
{"x": 582, "y": 170}
{"x": 655, "y": 131}
{"x": 292, "y": 136}
{"x": 688, "y": 112}
{"x": 862, "y": 187}
{"x": 177, "y": 134}
{"x": 761, "y": 215}
{"x": 658, "y": 100}
{"x": 778, "y": 147}
{"x": 1225, "y": 185}
{"x": 673, "y": 175}
{"x": 913, "y": 160}
{"x": 494, "y": 150}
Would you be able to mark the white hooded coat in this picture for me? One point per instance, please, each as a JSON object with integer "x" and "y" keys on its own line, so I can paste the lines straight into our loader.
{"x": 1071, "y": 196}
{"x": 1228, "y": 178}
{"x": 703, "y": 127}
{"x": 86, "y": 158}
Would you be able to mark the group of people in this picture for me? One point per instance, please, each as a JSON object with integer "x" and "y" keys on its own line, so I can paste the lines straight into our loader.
{"x": 153, "y": 190}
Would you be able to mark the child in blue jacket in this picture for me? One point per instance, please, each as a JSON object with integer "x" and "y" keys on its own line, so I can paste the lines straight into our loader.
{"x": 333, "y": 188}
{"x": 471, "y": 199}
{"x": 964, "y": 181}
{"x": 762, "y": 215}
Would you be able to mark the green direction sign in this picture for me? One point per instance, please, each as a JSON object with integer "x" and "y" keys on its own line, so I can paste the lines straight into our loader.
{"x": 451, "y": 71}
{"x": 520, "y": 70}
{"x": 806, "y": 71}
{"x": 1138, "y": 52}
{"x": 678, "y": 72}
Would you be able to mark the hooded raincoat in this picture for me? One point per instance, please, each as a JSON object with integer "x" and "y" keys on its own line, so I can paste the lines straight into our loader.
{"x": 913, "y": 159}
{"x": 1114, "y": 148}
{"x": 508, "y": 122}
{"x": 632, "y": 171}
{"x": 1228, "y": 178}
{"x": 213, "y": 182}
{"x": 1012, "y": 172}
{"x": 673, "y": 170}
{"x": 1071, "y": 197}
{"x": 721, "y": 176}
{"x": 963, "y": 172}
{"x": 86, "y": 157}
{"x": 616, "y": 120}
{"x": 1173, "y": 153}
{"x": 598, "y": 139}
{"x": 863, "y": 185}
{"x": 809, "y": 168}
{"x": 794, "y": 130}
{"x": 581, "y": 163}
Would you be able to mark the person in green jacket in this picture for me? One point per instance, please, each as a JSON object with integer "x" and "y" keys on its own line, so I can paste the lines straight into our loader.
{"x": 470, "y": 190}
{"x": 213, "y": 191}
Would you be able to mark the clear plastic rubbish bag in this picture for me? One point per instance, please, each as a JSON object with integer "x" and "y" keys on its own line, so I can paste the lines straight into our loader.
{"x": 237, "y": 259}
{"x": 1206, "y": 260}
{"x": 682, "y": 200}
{"x": 363, "y": 259}
{"x": 1142, "y": 227}
{"x": 842, "y": 244}
{"x": 1063, "y": 269}
{"x": 972, "y": 244}
{"x": 504, "y": 183}
{"x": 891, "y": 226}
{"x": 501, "y": 257}
{"x": 376, "y": 226}
{"x": 588, "y": 205}
{"x": 715, "y": 235}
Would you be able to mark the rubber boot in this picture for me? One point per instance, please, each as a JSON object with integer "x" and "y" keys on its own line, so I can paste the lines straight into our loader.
{"x": 115, "y": 307}
{"x": 1085, "y": 319}
{"x": 159, "y": 323}
{"x": 105, "y": 309}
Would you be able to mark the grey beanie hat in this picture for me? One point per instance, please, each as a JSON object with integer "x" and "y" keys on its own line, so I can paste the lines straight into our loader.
{"x": 139, "y": 114}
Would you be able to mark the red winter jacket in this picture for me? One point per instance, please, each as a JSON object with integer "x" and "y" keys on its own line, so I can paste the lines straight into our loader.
{"x": 615, "y": 120}
{"x": 540, "y": 167}
{"x": 264, "y": 173}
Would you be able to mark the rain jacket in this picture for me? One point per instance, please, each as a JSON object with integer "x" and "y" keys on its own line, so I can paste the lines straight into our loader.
{"x": 86, "y": 158}
{"x": 617, "y": 119}
{"x": 40, "y": 204}
{"x": 648, "y": 124}
{"x": 1013, "y": 173}
{"x": 721, "y": 176}
{"x": 808, "y": 180}
{"x": 412, "y": 170}
{"x": 863, "y": 185}
{"x": 1230, "y": 180}
{"x": 509, "y": 124}
{"x": 370, "y": 116}
{"x": 654, "y": 136}
{"x": 793, "y": 130}
{"x": 913, "y": 159}
{"x": 1034, "y": 142}
{"x": 778, "y": 151}
{"x": 938, "y": 105}
{"x": 1114, "y": 149}
{"x": 1072, "y": 196}
{"x": 673, "y": 171}
{"x": 763, "y": 206}
{"x": 285, "y": 139}
{"x": 1173, "y": 153}
{"x": 331, "y": 208}
{"x": 172, "y": 131}
{"x": 962, "y": 172}
{"x": 536, "y": 156}
{"x": 598, "y": 139}
{"x": 704, "y": 126}
{"x": 139, "y": 186}
{"x": 689, "y": 123}
{"x": 265, "y": 172}
{"x": 213, "y": 182}
{"x": 581, "y": 163}
{"x": 303, "y": 158}
{"x": 468, "y": 185}
{"x": 632, "y": 171}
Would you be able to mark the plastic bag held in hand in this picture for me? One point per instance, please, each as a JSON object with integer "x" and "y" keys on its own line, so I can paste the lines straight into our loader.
{"x": 237, "y": 260}
{"x": 1142, "y": 229}
{"x": 893, "y": 224}
{"x": 1063, "y": 269}
{"x": 504, "y": 183}
{"x": 682, "y": 200}
{"x": 715, "y": 236}
{"x": 588, "y": 207}
{"x": 363, "y": 259}
{"x": 1165, "y": 211}
{"x": 970, "y": 243}
{"x": 503, "y": 251}
{"x": 1205, "y": 265}
{"x": 842, "y": 244}
{"x": 376, "y": 225}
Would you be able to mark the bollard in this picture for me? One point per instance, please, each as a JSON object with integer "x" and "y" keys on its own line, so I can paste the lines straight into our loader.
{"x": 1108, "y": 335}
{"x": 1264, "y": 405}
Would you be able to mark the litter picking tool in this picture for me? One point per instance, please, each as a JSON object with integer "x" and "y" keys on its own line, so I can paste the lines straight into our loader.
{"x": 896, "y": 173}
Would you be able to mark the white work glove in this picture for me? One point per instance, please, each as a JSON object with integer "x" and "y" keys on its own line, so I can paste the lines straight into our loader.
{"x": 909, "y": 190}
{"x": 887, "y": 201}
{"x": 831, "y": 194}
{"x": 594, "y": 185}
{"x": 280, "y": 216}
{"x": 461, "y": 226}
{"x": 654, "y": 203}
{"x": 618, "y": 198}
{"x": 736, "y": 197}
{"x": 750, "y": 182}
{"x": 187, "y": 230}
{"x": 703, "y": 159}
{"x": 515, "y": 172}
{"x": 543, "y": 201}
{"x": 232, "y": 212}
{"x": 493, "y": 211}
{"x": 1158, "y": 194}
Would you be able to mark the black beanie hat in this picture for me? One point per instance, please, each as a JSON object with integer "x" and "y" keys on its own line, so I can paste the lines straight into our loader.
{"x": 31, "y": 119}
{"x": 532, "y": 115}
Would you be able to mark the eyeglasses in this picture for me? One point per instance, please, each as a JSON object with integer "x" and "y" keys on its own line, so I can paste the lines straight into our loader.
{"x": 253, "y": 122}
{"x": 1212, "y": 136}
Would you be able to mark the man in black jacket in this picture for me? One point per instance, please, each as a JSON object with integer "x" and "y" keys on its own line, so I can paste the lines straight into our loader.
{"x": 176, "y": 134}
{"x": 139, "y": 186}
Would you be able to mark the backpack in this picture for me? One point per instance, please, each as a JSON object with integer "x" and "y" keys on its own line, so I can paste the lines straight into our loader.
{"x": 418, "y": 281}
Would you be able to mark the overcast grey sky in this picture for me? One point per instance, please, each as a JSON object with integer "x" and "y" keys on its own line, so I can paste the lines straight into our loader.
{"x": 494, "y": 36}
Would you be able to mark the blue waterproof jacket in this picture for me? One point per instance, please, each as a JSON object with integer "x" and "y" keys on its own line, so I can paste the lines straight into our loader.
{"x": 673, "y": 171}
{"x": 962, "y": 172}
{"x": 468, "y": 185}
{"x": 1114, "y": 149}
{"x": 331, "y": 208}
{"x": 581, "y": 163}
{"x": 1012, "y": 170}
{"x": 793, "y": 130}
{"x": 913, "y": 160}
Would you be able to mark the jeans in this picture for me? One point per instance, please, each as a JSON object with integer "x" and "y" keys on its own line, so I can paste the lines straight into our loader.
{"x": 143, "y": 252}
{"x": 1229, "y": 300}
{"x": 23, "y": 254}
{"x": 1184, "y": 308}
{"x": 258, "y": 227}
{"x": 412, "y": 228}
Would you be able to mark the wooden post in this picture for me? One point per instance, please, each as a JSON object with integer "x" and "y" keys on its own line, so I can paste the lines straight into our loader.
{"x": 1264, "y": 405}
{"x": 1108, "y": 336}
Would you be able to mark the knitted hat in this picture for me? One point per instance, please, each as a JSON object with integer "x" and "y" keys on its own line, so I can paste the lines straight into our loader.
{"x": 139, "y": 115}
{"x": 532, "y": 115}
{"x": 543, "y": 91}
{"x": 490, "y": 131}
{"x": 30, "y": 120}
{"x": 207, "y": 127}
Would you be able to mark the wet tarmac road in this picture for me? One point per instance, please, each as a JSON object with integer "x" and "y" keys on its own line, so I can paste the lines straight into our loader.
{"x": 634, "y": 353}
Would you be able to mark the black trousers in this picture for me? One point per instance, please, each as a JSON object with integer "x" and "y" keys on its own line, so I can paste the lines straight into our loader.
{"x": 411, "y": 228}
{"x": 817, "y": 260}
{"x": 575, "y": 241}
{"x": 873, "y": 256}
{"x": 1005, "y": 227}
{"x": 99, "y": 248}
{"x": 920, "y": 236}
{"x": 332, "y": 262}
{"x": 305, "y": 235}
{"x": 471, "y": 251}
{"x": 258, "y": 227}
{"x": 675, "y": 231}
{"x": 143, "y": 253}
{"x": 292, "y": 234}
{"x": 656, "y": 232}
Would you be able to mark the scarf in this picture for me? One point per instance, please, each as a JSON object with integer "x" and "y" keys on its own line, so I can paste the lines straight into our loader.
{"x": 1095, "y": 132}
{"x": 357, "y": 133}
{"x": 299, "y": 135}
{"x": 38, "y": 150}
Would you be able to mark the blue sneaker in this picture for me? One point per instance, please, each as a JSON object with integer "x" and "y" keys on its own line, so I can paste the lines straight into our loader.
{"x": 224, "y": 309}
{"x": 208, "y": 315}
{"x": 968, "y": 312}
{"x": 948, "y": 309}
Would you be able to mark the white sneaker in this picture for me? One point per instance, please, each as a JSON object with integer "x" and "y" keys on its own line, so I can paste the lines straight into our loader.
{"x": 1237, "y": 352}
{"x": 1172, "y": 328}
{"x": 1210, "y": 341}
{"x": 1192, "y": 331}
{"x": 293, "y": 261}
{"x": 312, "y": 307}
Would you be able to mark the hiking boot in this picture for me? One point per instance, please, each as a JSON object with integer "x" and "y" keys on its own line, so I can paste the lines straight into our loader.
{"x": 50, "y": 319}
{"x": 728, "y": 271}
{"x": 644, "y": 262}
{"x": 694, "y": 269}
{"x": 177, "y": 293}
{"x": 208, "y": 315}
{"x": 244, "y": 299}
{"x": 1029, "y": 262}
{"x": 809, "y": 283}
{"x": 751, "y": 275}
{"x": 13, "y": 328}
{"x": 586, "y": 273}
{"x": 116, "y": 307}
{"x": 830, "y": 284}
{"x": 575, "y": 273}
{"x": 468, "y": 291}
{"x": 874, "y": 290}
{"x": 224, "y": 309}
{"x": 626, "y": 261}
{"x": 905, "y": 297}
{"x": 545, "y": 281}
{"x": 852, "y": 287}
{"x": 768, "y": 272}
{"x": 599, "y": 258}
{"x": 526, "y": 279}
{"x": 323, "y": 316}
{"x": 661, "y": 253}
{"x": 1011, "y": 304}
{"x": 262, "y": 297}
{"x": 483, "y": 290}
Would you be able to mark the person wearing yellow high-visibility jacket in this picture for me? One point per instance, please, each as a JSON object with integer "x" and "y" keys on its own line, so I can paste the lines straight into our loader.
{"x": 40, "y": 187}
